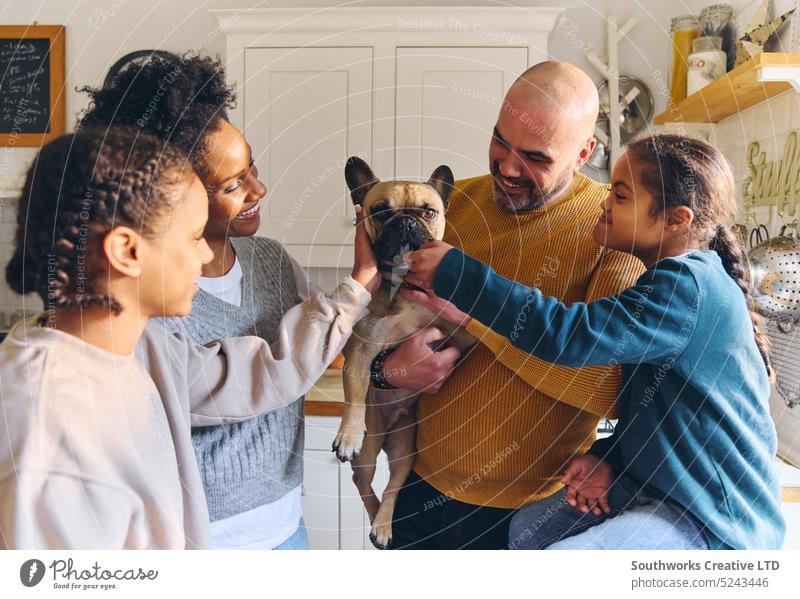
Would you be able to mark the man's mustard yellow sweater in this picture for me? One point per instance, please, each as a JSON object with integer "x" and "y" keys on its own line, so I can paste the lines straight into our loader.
{"x": 502, "y": 428}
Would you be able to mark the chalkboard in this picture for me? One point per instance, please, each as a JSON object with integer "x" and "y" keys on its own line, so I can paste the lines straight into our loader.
{"x": 25, "y": 86}
{"x": 31, "y": 84}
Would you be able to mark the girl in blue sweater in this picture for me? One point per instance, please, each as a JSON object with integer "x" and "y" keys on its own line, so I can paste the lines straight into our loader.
{"x": 690, "y": 463}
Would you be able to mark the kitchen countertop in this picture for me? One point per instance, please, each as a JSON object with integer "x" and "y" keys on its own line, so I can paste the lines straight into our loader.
{"x": 326, "y": 397}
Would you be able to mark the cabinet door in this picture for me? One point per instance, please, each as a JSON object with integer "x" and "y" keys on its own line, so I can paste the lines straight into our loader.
{"x": 321, "y": 483}
{"x": 321, "y": 499}
{"x": 306, "y": 111}
{"x": 448, "y": 100}
{"x": 352, "y": 513}
{"x": 378, "y": 484}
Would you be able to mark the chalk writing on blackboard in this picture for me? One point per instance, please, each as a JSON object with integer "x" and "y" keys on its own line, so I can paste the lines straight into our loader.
{"x": 25, "y": 85}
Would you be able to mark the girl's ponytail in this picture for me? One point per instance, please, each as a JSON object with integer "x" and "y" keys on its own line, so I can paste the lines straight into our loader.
{"x": 728, "y": 248}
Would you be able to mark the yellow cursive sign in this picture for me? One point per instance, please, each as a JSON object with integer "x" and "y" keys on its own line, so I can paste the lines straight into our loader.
{"x": 776, "y": 182}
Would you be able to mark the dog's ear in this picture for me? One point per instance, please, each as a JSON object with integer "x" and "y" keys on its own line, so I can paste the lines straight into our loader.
{"x": 442, "y": 181}
{"x": 360, "y": 179}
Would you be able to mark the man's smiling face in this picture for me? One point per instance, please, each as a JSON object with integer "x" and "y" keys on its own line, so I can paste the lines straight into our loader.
{"x": 528, "y": 160}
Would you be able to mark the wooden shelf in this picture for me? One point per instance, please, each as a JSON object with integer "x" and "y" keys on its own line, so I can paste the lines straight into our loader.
{"x": 743, "y": 87}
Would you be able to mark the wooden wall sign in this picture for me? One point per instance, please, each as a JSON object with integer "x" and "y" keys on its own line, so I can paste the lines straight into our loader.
{"x": 32, "y": 93}
{"x": 774, "y": 182}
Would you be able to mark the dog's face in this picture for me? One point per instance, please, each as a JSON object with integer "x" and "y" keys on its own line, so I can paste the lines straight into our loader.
{"x": 400, "y": 215}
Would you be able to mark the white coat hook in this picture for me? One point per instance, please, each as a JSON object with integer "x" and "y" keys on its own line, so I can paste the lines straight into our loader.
{"x": 623, "y": 31}
{"x": 610, "y": 71}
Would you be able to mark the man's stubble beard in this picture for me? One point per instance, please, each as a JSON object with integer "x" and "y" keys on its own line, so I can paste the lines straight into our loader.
{"x": 536, "y": 197}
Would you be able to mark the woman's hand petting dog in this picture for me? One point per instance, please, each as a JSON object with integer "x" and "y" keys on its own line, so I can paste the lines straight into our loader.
{"x": 365, "y": 265}
{"x": 424, "y": 262}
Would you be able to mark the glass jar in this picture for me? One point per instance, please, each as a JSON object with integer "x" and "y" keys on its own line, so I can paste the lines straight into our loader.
{"x": 718, "y": 20}
{"x": 707, "y": 62}
{"x": 683, "y": 31}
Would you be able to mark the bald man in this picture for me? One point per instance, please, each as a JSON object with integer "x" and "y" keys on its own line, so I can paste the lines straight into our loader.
{"x": 497, "y": 434}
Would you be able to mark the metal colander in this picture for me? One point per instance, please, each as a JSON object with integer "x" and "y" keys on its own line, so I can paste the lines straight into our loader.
{"x": 785, "y": 357}
{"x": 775, "y": 276}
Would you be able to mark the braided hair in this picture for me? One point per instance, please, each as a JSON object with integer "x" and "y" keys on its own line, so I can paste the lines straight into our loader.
{"x": 79, "y": 187}
{"x": 178, "y": 98}
{"x": 681, "y": 171}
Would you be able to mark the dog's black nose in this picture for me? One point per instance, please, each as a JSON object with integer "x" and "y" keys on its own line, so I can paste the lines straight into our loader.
{"x": 409, "y": 224}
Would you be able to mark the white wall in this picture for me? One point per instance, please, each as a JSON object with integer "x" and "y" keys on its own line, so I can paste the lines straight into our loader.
{"x": 100, "y": 31}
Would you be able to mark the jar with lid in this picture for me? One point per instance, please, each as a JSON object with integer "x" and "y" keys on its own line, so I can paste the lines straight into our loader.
{"x": 707, "y": 62}
{"x": 718, "y": 20}
{"x": 683, "y": 31}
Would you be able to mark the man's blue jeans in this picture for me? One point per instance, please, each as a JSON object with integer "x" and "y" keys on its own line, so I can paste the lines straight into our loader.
{"x": 637, "y": 521}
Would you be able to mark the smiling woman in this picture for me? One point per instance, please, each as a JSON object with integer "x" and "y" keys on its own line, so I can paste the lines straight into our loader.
{"x": 235, "y": 192}
{"x": 251, "y": 471}
{"x": 184, "y": 100}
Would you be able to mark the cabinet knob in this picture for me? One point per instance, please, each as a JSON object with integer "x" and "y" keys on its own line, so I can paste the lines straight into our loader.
{"x": 355, "y": 222}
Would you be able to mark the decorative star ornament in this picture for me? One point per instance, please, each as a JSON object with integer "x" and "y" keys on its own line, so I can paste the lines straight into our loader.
{"x": 758, "y": 32}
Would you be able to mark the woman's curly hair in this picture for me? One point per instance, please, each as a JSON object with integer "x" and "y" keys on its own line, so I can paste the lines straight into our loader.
{"x": 79, "y": 187}
{"x": 178, "y": 98}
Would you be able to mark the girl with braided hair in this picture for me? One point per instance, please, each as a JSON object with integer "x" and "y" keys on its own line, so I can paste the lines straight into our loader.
{"x": 252, "y": 471}
{"x": 690, "y": 464}
{"x": 89, "y": 461}
{"x": 117, "y": 189}
{"x": 94, "y": 453}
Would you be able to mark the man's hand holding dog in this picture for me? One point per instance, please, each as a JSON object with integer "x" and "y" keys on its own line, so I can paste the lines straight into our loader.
{"x": 416, "y": 367}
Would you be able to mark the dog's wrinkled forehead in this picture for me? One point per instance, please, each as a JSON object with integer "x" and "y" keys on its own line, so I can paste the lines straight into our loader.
{"x": 389, "y": 201}
{"x": 403, "y": 194}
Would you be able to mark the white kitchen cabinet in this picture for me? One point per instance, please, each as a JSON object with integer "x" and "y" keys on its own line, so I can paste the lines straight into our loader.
{"x": 406, "y": 89}
{"x": 333, "y": 511}
{"x": 306, "y": 110}
{"x": 321, "y": 498}
{"x": 447, "y": 103}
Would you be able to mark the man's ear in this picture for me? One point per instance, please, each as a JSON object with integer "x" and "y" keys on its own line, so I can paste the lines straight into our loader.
{"x": 442, "y": 181}
{"x": 122, "y": 250}
{"x": 679, "y": 217}
{"x": 586, "y": 152}
{"x": 360, "y": 179}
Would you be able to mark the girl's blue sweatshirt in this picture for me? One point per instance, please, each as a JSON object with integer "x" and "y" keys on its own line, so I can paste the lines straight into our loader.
{"x": 694, "y": 422}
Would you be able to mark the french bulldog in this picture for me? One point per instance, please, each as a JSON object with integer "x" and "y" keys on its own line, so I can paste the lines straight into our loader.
{"x": 399, "y": 217}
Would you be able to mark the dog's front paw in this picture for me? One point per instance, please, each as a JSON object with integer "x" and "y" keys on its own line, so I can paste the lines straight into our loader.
{"x": 348, "y": 443}
{"x": 381, "y": 535}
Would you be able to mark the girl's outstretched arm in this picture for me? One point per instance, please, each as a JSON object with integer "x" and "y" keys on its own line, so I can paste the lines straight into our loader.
{"x": 645, "y": 323}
